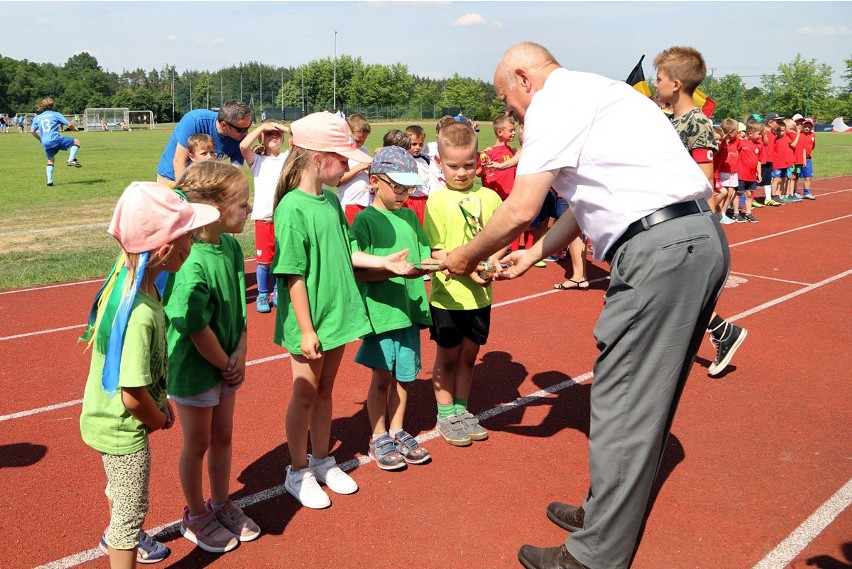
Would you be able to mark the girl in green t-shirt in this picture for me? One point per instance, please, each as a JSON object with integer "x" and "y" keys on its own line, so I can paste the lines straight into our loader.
{"x": 125, "y": 396}
{"x": 319, "y": 307}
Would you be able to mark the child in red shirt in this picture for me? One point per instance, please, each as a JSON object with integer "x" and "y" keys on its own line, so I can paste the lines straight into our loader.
{"x": 496, "y": 167}
{"x": 807, "y": 140}
{"x": 748, "y": 171}
{"x": 726, "y": 163}
{"x": 782, "y": 167}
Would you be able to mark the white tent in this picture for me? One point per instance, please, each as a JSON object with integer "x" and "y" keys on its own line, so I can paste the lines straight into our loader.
{"x": 837, "y": 125}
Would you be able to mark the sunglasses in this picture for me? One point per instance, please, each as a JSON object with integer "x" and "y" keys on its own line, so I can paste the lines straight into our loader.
{"x": 398, "y": 189}
{"x": 238, "y": 129}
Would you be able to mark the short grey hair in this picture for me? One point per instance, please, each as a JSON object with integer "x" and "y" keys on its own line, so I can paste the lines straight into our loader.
{"x": 234, "y": 111}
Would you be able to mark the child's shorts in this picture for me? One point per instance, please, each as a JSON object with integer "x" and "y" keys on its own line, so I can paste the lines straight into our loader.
{"x": 808, "y": 170}
{"x": 766, "y": 173}
{"x": 397, "y": 351}
{"x": 127, "y": 487}
{"x": 264, "y": 241}
{"x": 797, "y": 170}
{"x": 548, "y": 209}
{"x": 64, "y": 143}
{"x": 418, "y": 205}
{"x": 782, "y": 173}
{"x": 729, "y": 179}
{"x": 450, "y": 327}
{"x": 746, "y": 186}
{"x": 209, "y": 398}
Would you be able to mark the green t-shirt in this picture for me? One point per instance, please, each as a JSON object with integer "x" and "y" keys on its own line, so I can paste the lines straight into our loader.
{"x": 447, "y": 229}
{"x": 396, "y": 302}
{"x": 105, "y": 424}
{"x": 312, "y": 239}
{"x": 208, "y": 290}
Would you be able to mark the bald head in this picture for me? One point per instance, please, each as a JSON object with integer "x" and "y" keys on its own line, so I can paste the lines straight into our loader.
{"x": 528, "y": 56}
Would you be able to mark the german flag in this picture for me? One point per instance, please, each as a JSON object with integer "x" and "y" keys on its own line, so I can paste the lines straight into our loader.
{"x": 637, "y": 79}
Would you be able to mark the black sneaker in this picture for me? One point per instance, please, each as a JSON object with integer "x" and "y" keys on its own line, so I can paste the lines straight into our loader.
{"x": 727, "y": 342}
{"x": 750, "y": 218}
{"x": 740, "y": 218}
{"x": 50, "y": 184}
{"x": 74, "y": 163}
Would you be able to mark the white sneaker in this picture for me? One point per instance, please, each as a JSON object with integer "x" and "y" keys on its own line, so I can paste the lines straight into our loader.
{"x": 327, "y": 472}
{"x": 304, "y": 487}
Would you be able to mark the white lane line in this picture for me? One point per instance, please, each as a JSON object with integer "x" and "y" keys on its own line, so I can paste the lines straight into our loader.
{"x": 45, "y": 287}
{"x": 169, "y": 529}
{"x": 803, "y": 535}
{"x": 103, "y": 224}
{"x": 40, "y": 332}
{"x": 759, "y": 277}
{"x": 800, "y": 228}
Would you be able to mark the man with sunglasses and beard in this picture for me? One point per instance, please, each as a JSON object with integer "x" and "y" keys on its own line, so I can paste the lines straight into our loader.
{"x": 227, "y": 128}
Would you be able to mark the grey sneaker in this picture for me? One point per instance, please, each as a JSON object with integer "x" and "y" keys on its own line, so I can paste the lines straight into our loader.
{"x": 472, "y": 427}
{"x": 453, "y": 431}
{"x": 384, "y": 452}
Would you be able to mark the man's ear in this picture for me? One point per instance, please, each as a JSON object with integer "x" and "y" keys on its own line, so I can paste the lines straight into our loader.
{"x": 523, "y": 78}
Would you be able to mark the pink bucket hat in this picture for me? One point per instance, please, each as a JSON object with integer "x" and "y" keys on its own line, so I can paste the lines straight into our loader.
{"x": 325, "y": 132}
{"x": 149, "y": 215}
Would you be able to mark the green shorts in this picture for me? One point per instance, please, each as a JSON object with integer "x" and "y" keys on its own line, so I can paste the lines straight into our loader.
{"x": 397, "y": 351}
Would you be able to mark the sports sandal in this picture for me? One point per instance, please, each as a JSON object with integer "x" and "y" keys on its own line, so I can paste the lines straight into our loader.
{"x": 578, "y": 285}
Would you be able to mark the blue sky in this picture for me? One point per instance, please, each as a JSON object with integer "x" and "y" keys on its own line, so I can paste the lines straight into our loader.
{"x": 434, "y": 39}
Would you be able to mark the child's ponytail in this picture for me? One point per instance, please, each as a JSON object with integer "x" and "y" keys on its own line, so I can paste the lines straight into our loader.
{"x": 291, "y": 173}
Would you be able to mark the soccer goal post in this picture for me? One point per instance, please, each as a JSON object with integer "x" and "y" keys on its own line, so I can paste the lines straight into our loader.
{"x": 142, "y": 120}
{"x": 106, "y": 119}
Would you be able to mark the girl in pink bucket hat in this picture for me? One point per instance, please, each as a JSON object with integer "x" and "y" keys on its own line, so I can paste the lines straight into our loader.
{"x": 319, "y": 306}
{"x": 125, "y": 394}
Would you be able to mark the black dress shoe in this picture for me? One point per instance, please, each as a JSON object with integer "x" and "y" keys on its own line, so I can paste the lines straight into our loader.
{"x": 566, "y": 516}
{"x": 548, "y": 558}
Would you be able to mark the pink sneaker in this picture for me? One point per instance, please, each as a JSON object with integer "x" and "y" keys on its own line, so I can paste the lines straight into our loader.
{"x": 235, "y": 521}
{"x": 207, "y": 533}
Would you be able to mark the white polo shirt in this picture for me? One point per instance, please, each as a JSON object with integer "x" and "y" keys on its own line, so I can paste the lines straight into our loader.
{"x": 619, "y": 159}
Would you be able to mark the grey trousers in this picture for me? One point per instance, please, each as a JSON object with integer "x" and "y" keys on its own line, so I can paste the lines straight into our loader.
{"x": 663, "y": 289}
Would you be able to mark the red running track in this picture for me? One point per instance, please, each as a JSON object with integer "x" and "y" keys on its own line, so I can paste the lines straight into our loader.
{"x": 757, "y": 471}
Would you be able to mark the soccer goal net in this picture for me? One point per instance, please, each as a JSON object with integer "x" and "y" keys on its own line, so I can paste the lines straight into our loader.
{"x": 142, "y": 120}
{"x": 106, "y": 119}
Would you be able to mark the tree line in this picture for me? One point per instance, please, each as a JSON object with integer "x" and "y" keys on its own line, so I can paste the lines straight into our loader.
{"x": 801, "y": 85}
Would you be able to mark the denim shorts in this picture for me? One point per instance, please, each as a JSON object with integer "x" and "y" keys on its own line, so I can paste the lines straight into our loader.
{"x": 782, "y": 173}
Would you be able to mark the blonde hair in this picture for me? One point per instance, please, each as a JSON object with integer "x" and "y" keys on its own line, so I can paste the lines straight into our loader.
{"x": 754, "y": 127}
{"x": 199, "y": 141}
{"x": 291, "y": 172}
{"x": 210, "y": 182}
{"x": 684, "y": 64}
{"x": 358, "y": 124}
{"x": 728, "y": 125}
{"x": 45, "y": 104}
{"x": 442, "y": 122}
{"x": 456, "y": 135}
{"x": 502, "y": 121}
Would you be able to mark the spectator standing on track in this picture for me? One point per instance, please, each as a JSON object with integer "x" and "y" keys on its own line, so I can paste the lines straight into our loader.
{"x": 680, "y": 70}
{"x": 353, "y": 191}
{"x": 266, "y": 168}
{"x": 645, "y": 212}
{"x": 397, "y": 307}
{"x": 319, "y": 309}
{"x": 205, "y": 304}
{"x": 125, "y": 396}
{"x": 227, "y": 128}
{"x": 46, "y": 130}
{"x": 461, "y": 307}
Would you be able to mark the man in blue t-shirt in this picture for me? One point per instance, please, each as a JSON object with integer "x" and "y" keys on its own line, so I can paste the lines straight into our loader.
{"x": 227, "y": 129}
{"x": 46, "y": 126}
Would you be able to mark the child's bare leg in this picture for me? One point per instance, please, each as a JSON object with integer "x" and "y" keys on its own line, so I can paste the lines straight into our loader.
{"x": 195, "y": 422}
{"x": 749, "y": 195}
{"x": 320, "y": 424}
{"x": 219, "y": 458}
{"x": 444, "y": 374}
{"x": 714, "y": 201}
{"x": 296, "y": 423}
{"x": 397, "y": 401}
{"x": 377, "y": 399}
{"x": 464, "y": 370}
{"x": 122, "y": 558}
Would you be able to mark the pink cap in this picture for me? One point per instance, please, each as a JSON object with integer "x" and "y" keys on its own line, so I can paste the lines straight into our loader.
{"x": 149, "y": 215}
{"x": 808, "y": 120}
{"x": 326, "y": 132}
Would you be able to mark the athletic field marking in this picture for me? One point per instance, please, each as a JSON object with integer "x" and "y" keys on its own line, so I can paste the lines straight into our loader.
{"x": 103, "y": 224}
{"x": 803, "y": 535}
{"x": 40, "y": 332}
{"x": 732, "y": 245}
{"x": 171, "y": 529}
{"x": 45, "y": 287}
{"x": 29, "y": 412}
{"x": 765, "y": 278}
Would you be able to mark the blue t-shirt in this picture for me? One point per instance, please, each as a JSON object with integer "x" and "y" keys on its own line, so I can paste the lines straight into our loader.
{"x": 199, "y": 121}
{"x": 47, "y": 125}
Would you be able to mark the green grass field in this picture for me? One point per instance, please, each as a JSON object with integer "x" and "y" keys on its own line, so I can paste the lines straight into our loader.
{"x": 59, "y": 234}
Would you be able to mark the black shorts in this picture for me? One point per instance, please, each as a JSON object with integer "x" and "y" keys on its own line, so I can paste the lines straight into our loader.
{"x": 746, "y": 186}
{"x": 766, "y": 173}
{"x": 450, "y": 327}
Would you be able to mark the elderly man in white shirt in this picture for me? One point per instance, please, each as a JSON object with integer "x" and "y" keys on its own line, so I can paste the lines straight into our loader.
{"x": 640, "y": 199}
